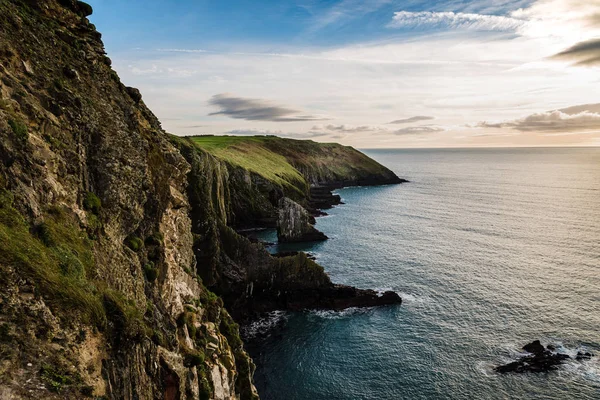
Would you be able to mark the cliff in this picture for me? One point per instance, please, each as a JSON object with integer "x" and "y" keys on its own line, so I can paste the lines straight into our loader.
{"x": 225, "y": 195}
{"x": 114, "y": 235}
{"x": 264, "y": 169}
{"x": 98, "y": 295}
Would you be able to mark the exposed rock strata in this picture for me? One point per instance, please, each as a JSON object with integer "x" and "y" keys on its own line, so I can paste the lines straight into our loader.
{"x": 98, "y": 296}
{"x": 249, "y": 279}
{"x": 294, "y": 224}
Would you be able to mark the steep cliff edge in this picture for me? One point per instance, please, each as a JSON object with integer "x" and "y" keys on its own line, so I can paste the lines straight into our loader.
{"x": 267, "y": 168}
{"x": 98, "y": 298}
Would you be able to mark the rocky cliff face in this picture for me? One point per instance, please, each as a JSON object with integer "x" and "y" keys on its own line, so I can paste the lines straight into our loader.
{"x": 111, "y": 231}
{"x": 294, "y": 223}
{"x": 244, "y": 274}
{"x": 98, "y": 295}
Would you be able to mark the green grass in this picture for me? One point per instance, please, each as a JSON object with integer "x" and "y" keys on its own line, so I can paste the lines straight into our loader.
{"x": 19, "y": 129}
{"x": 288, "y": 162}
{"x": 58, "y": 257}
{"x": 251, "y": 154}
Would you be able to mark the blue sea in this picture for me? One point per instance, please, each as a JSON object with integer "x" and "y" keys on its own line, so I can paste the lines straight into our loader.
{"x": 490, "y": 249}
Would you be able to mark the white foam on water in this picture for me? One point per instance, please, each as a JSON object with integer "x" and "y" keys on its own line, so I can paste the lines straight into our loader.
{"x": 263, "y": 325}
{"x": 333, "y": 314}
{"x": 413, "y": 298}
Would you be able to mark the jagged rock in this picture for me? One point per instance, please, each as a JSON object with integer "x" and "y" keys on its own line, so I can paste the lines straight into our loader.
{"x": 294, "y": 223}
{"x": 583, "y": 356}
{"x": 534, "y": 347}
{"x": 134, "y": 93}
{"x": 541, "y": 359}
{"x": 71, "y": 73}
{"x": 77, "y": 305}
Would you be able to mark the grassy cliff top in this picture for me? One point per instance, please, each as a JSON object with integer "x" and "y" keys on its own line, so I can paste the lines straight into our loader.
{"x": 290, "y": 161}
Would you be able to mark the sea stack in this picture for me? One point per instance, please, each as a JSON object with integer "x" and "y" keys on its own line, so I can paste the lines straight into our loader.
{"x": 294, "y": 223}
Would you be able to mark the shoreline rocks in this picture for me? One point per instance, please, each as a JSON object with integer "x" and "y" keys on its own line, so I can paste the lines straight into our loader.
{"x": 332, "y": 297}
{"x": 540, "y": 359}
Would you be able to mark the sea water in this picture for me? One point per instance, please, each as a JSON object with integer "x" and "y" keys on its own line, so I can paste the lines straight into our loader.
{"x": 489, "y": 248}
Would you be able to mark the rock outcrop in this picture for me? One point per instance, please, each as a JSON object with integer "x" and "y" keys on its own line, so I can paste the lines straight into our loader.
{"x": 539, "y": 359}
{"x": 294, "y": 224}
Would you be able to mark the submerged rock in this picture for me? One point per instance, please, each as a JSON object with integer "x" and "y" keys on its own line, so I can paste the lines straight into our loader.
{"x": 583, "y": 356}
{"x": 294, "y": 223}
{"x": 540, "y": 359}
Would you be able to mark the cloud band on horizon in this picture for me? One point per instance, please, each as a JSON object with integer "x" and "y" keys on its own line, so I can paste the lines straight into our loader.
{"x": 572, "y": 119}
{"x": 417, "y": 118}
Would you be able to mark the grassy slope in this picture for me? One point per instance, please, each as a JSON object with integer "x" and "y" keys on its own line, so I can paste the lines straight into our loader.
{"x": 251, "y": 154}
{"x": 291, "y": 162}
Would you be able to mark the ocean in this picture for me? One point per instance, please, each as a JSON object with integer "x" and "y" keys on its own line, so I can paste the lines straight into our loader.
{"x": 490, "y": 249}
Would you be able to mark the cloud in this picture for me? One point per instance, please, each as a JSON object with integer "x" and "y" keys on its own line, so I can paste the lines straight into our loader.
{"x": 585, "y": 54}
{"x": 256, "y": 110}
{"x": 412, "y": 119}
{"x": 268, "y": 132}
{"x": 572, "y": 119}
{"x": 452, "y": 20}
{"x": 346, "y": 128}
{"x": 182, "y": 50}
{"x": 418, "y": 130}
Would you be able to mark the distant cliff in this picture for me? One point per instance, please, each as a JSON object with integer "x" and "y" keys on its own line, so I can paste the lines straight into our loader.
{"x": 238, "y": 182}
{"x": 114, "y": 235}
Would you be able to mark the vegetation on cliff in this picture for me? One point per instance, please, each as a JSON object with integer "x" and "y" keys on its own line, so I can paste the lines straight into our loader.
{"x": 96, "y": 259}
{"x": 297, "y": 163}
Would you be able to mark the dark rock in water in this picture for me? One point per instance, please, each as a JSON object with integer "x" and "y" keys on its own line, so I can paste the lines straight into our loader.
{"x": 581, "y": 356}
{"x": 541, "y": 359}
{"x": 534, "y": 347}
{"x": 294, "y": 223}
{"x": 340, "y": 297}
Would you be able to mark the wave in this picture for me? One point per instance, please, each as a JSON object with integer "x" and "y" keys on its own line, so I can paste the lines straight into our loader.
{"x": 264, "y": 325}
{"x": 339, "y": 314}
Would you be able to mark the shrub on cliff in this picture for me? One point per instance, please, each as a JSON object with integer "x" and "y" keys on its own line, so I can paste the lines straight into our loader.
{"x": 19, "y": 129}
{"x": 92, "y": 203}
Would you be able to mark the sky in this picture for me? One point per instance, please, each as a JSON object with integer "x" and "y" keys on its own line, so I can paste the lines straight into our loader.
{"x": 371, "y": 73}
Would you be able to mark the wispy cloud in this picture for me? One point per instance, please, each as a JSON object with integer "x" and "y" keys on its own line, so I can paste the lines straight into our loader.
{"x": 417, "y": 118}
{"x": 182, "y": 50}
{"x": 256, "y": 110}
{"x": 268, "y": 132}
{"x": 573, "y": 119}
{"x": 452, "y": 20}
{"x": 418, "y": 130}
{"x": 346, "y": 128}
{"x": 585, "y": 54}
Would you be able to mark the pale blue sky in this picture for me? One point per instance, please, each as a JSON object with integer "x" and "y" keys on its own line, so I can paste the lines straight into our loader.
{"x": 482, "y": 72}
